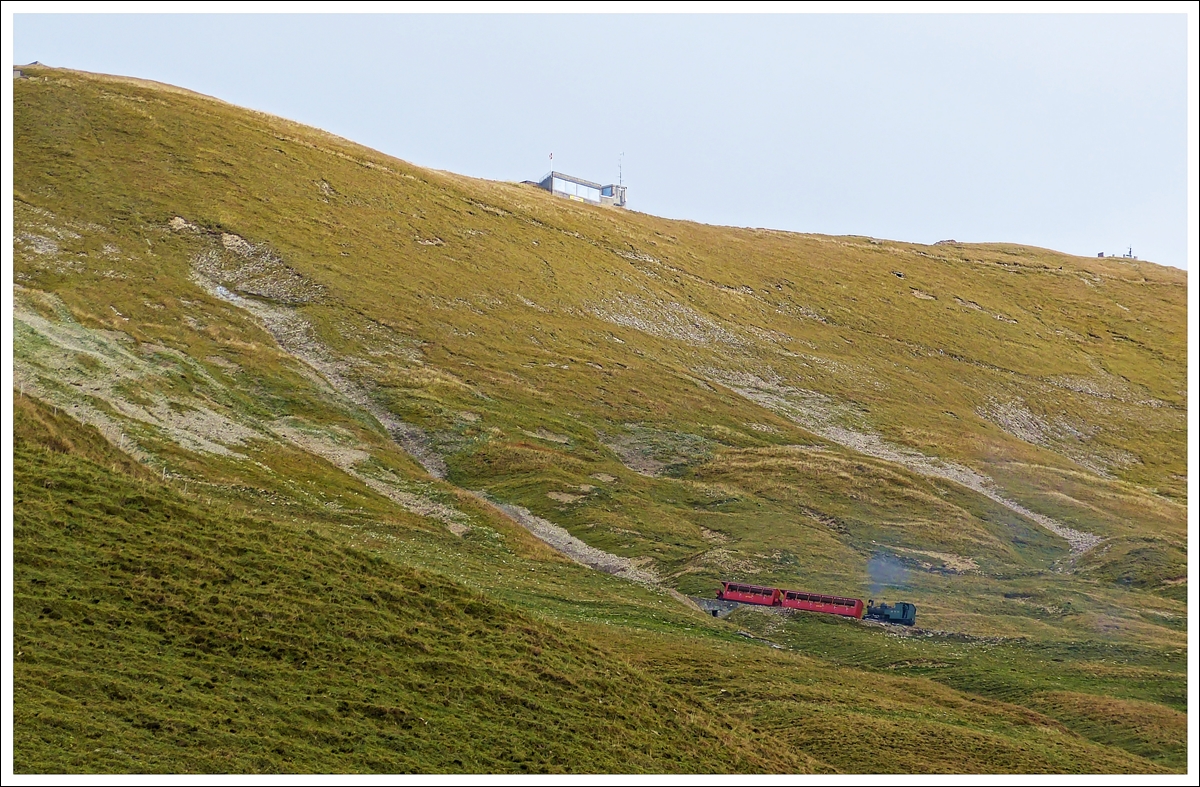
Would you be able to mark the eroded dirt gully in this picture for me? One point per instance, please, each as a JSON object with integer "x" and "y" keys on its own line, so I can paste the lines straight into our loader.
{"x": 296, "y": 336}
{"x": 813, "y": 412}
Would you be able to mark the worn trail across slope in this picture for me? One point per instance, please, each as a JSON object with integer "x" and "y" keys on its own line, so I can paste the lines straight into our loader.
{"x": 572, "y": 547}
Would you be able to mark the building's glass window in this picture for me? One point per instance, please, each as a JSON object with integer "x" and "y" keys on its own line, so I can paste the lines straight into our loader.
{"x": 567, "y": 187}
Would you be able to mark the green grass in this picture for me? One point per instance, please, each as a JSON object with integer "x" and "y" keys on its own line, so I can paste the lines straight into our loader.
{"x": 154, "y": 634}
{"x": 547, "y": 351}
{"x": 157, "y": 635}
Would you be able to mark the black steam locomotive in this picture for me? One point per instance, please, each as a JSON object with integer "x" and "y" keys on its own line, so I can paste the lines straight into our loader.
{"x": 902, "y": 612}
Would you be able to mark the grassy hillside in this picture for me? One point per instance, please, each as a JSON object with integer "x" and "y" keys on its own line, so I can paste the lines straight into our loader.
{"x": 286, "y": 406}
{"x": 156, "y": 633}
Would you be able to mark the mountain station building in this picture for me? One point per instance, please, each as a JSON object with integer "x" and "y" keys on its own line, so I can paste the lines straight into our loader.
{"x": 582, "y": 190}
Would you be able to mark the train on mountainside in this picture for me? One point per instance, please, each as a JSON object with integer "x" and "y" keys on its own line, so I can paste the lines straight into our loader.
{"x": 903, "y": 613}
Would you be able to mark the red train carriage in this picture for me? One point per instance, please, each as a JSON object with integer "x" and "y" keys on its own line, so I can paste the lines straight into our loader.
{"x": 815, "y": 602}
{"x": 750, "y": 594}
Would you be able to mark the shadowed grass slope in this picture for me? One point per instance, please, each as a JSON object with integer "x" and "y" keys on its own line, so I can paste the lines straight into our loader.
{"x": 154, "y": 634}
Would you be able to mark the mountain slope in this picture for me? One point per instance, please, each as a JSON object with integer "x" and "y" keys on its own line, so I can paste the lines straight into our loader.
{"x": 278, "y": 320}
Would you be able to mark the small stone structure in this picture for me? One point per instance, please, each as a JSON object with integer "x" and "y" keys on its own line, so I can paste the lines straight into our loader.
{"x": 715, "y": 606}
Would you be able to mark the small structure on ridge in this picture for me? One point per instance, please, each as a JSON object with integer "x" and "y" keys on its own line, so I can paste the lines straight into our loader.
{"x": 582, "y": 190}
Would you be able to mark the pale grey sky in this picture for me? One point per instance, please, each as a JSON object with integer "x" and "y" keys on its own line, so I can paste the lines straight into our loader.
{"x": 1063, "y": 131}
